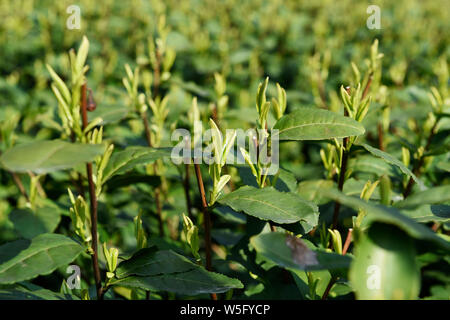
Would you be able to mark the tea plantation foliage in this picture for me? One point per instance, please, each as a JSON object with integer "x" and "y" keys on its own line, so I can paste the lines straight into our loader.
{"x": 93, "y": 204}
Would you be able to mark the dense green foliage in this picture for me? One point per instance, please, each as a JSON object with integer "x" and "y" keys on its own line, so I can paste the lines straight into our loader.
{"x": 359, "y": 208}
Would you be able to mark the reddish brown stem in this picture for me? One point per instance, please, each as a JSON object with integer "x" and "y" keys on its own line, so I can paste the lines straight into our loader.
{"x": 214, "y": 115}
{"x": 380, "y": 137}
{"x": 206, "y": 220}
{"x": 186, "y": 191}
{"x": 159, "y": 211}
{"x": 367, "y": 88}
{"x": 272, "y": 227}
{"x": 333, "y": 280}
{"x": 157, "y": 190}
{"x": 19, "y": 185}
{"x": 435, "y": 226}
{"x": 348, "y": 240}
{"x": 328, "y": 289}
{"x": 147, "y": 128}
{"x": 322, "y": 93}
{"x": 93, "y": 202}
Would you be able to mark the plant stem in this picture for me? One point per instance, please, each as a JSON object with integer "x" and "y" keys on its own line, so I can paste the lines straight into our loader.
{"x": 337, "y": 204}
{"x": 78, "y": 182}
{"x": 159, "y": 210}
{"x": 19, "y": 185}
{"x": 380, "y": 136}
{"x": 333, "y": 280}
{"x": 272, "y": 227}
{"x": 367, "y": 87}
{"x": 93, "y": 203}
{"x": 157, "y": 191}
{"x": 157, "y": 73}
{"x": 328, "y": 289}
{"x": 322, "y": 93}
{"x": 147, "y": 128}
{"x": 206, "y": 220}
{"x": 186, "y": 191}
{"x": 347, "y": 242}
{"x": 418, "y": 165}
{"x": 156, "y": 84}
{"x": 214, "y": 115}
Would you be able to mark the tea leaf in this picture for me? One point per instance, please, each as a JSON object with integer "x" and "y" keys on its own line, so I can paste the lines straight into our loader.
{"x": 24, "y": 259}
{"x": 316, "y": 124}
{"x": 393, "y": 161}
{"x": 127, "y": 159}
{"x": 274, "y": 247}
{"x": 168, "y": 271}
{"x": 192, "y": 282}
{"x": 49, "y": 155}
{"x": 270, "y": 204}
{"x": 149, "y": 262}
{"x": 29, "y": 291}
{"x": 430, "y": 196}
{"x": 30, "y": 224}
{"x": 388, "y": 215}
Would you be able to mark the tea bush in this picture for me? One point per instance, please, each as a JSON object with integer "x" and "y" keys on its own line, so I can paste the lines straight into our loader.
{"x": 103, "y": 197}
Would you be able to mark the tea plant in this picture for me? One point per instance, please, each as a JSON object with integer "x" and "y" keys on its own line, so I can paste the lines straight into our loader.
{"x": 184, "y": 153}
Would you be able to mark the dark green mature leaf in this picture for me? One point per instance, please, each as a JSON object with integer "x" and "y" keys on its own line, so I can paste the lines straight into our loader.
{"x": 122, "y": 161}
{"x": 24, "y": 259}
{"x": 388, "y": 215}
{"x": 192, "y": 282}
{"x": 30, "y": 224}
{"x": 49, "y": 155}
{"x": 431, "y": 196}
{"x": 230, "y": 215}
{"x": 285, "y": 181}
{"x": 385, "y": 265}
{"x": 273, "y": 246}
{"x": 149, "y": 262}
{"x": 440, "y": 143}
{"x": 166, "y": 270}
{"x": 428, "y": 213}
{"x": 28, "y": 291}
{"x": 132, "y": 178}
{"x": 370, "y": 164}
{"x": 316, "y": 124}
{"x": 392, "y": 160}
{"x": 309, "y": 190}
{"x": 270, "y": 204}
